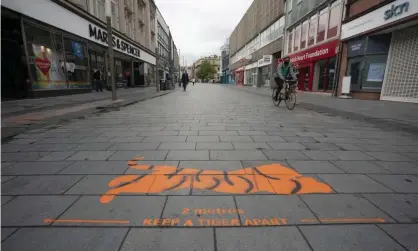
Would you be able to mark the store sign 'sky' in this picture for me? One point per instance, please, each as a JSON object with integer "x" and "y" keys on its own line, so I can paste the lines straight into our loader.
{"x": 101, "y": 35}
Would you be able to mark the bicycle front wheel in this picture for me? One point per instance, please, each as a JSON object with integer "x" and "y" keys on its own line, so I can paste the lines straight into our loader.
{"x": 277, "y": 101}
{"x": 291, "y": 101}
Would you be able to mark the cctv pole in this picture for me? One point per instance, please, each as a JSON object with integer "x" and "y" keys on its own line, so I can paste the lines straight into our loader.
{"x": 110, "y": 48}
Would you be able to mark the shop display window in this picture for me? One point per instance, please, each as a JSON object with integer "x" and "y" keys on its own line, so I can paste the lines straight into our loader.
{"x": 313, "y": 23}
{"x": 76, "y": 63}
{"x": 303, "y": 34}
{"x": 296, "y": 41}
{"x": 322, "y": 26}
{"x": 289, "y": 43}
{"x": 334, "y": 20}
{"x": 45, "y": 52}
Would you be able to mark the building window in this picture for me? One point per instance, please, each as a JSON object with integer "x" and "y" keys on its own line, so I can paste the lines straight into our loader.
{"x": 322, "y": 25}
{"x": 313, "y": 23}
{"x": 334, "y": 20}
{"x": 303, "y": 34}
{"x": 296, "y": 41}
{"x": 289, "y": 43}
{"x": 101, "y": 10}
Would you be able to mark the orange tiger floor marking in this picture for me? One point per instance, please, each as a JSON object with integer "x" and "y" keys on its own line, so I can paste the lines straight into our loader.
{"x": 271, "y": 178}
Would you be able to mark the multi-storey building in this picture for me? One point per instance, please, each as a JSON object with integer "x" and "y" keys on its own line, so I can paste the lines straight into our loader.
{"x": 52, "y": 47}
{"x": 165, "y": 46}
{"x": 312, "y": 39}
{"x": 225, "y": 73}
{"x": 256, "y": 43}
{"x": 213, "y": 60}
{"x": 379, "y": 55}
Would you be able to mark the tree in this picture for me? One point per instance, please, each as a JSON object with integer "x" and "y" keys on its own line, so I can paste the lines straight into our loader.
{"x": 206, "y": 70}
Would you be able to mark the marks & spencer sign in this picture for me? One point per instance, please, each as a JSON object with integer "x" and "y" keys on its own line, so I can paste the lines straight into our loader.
{"x": 101, "y": 35}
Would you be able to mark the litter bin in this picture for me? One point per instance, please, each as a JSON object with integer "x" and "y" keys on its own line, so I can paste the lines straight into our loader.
{"x": 163, "y": 86}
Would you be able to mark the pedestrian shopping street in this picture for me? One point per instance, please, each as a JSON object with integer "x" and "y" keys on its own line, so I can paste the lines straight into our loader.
{"x": 212, "y": 168}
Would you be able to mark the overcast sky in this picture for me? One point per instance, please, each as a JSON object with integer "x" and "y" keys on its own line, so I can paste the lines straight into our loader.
{"x": 200, "y": 27}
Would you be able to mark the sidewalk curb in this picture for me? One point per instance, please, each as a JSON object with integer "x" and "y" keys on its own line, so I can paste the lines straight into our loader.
{"x": 382, "y": 123}
{"x": 8, "y": 133}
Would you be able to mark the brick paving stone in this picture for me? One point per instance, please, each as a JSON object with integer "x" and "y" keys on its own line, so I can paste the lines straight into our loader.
{"x": 93, "y": 185}
{"x": 300, "y": 139}
{"x": 91, "y": 139}
{"x": 267, "y": 139}
{"x": 11, "y": 148}
{"x": 236, "y": 139}
{"x": 50, "y": 147}
{"x": 128, "y": 146}
{"x": 349, "y": 237}
{"x": 214, "y": 146}
{"x": 214, "y": 166}
{"x": 386, "y": 156}
{"x": 321, "y": 146}
{"x": 91, "y": 155}
{"x": 57, "y": 156}
{"x": 314, "y": 166}
{"x": 351, "y": 155}
{"x": 6, "y": 232}
{"x": 359, "y": 166}
{"x": 268, "y": 239}
{"x": 22, "y": 156}
{"x": 164, "y": 139}
{"x": 398, "y": 183}
{"x": 45, "y": 184}
{"x": 95, "y": 167}
{"x": 406, "y": 235}
{"x": 319, "y": 155}
{"x": 80, "y": 239}
{"x": 147, "y": 155}
{"x": 285, "y": 155}
{"x": 169, "y": 239}
{"x": 5, "y": 199}
{"x": 134, "y": 209}
{"x": 31, "y": 168}
{"x": 92, "y": 146}
{"x": 16, "y": 213}
{"x": 399, "y": 167}
{"x": 177, "y": 146}
{"x": 218, "y": 133}
{"x": 353, "y": 183}
{"x": 187, "y": 133}
{"x": 203, "y": 138}
{"x": 237, "y": 155}
{"x": 290, "y": 208}
{"x": 401, "y": 207}
{"x": 188, "y": 155}
{"x": 341, "y": 207}
{"x": 250, "y": 145}
{"x": 287, "y": 146}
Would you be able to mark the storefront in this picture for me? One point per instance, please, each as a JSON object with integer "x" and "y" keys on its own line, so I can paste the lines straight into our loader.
{"x": 239, "y": 75}
{"x": 250, "y": 74}
{"x": 316, "y": 66}
{"x": 264, "y": 70}
{"x": 380, "y": 53}
{"x": 62, "y": 49}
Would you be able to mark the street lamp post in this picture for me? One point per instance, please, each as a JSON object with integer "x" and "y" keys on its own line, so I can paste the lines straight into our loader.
{"x": 157, "y": 82}
{"x": 110, "y": 47}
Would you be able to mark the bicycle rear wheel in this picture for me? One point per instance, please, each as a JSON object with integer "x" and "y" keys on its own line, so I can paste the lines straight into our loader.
{"x": 277, "y": 101}
{"x": 291, "y": 100}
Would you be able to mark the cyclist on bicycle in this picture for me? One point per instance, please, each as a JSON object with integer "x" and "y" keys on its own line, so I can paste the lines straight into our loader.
{"x": 285, "y": 71}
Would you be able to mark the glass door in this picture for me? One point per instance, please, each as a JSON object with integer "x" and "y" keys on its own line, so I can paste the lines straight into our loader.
{"x": 355, "y": 70}
{"x": 374, "y": 72}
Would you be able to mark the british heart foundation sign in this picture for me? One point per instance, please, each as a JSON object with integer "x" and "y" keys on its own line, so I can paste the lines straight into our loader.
{"x": 326, "y": 50}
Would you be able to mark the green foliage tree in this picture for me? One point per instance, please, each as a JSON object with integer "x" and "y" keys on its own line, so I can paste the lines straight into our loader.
{"x": 206, "y": 70}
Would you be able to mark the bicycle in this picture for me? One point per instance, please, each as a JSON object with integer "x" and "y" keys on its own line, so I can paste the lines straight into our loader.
{"x": 288, "y": 94}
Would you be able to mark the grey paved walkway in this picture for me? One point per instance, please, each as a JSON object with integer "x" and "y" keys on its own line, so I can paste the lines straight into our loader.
{"x": 212, "y": 168}
{"x": 384, "y": 114}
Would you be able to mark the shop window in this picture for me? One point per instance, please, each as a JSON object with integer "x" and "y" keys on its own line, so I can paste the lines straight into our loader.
{"x": 322, "y": 25}
{"x": 313, "y": 23}
{"x": 334, "y": 20}
{"x": 303, "y": 35}
{"x": 45, "y": 54}
{"x": 296, "y": 41}
{"x": 76, "y": 63}
{"x": 378, "y": 44}
{"x": 289, "y": 43}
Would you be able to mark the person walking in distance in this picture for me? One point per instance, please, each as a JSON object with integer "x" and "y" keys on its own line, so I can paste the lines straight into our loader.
{"x": 193, "y": 80}
{"x": 97, "y": 80}
{"x": 185, "y": 80}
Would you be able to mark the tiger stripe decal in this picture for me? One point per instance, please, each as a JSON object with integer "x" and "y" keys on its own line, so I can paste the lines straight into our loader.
{"x": 271, "y": 178}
